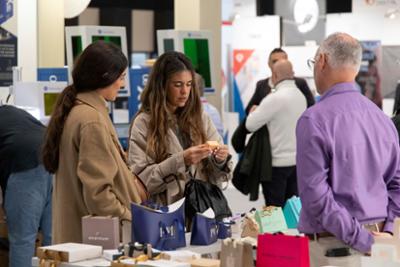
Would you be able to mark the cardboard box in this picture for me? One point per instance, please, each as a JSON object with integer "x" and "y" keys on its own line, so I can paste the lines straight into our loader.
{"x": 205, "y": 263}
{"x": 165, "y": 263}
{"x": 69, "y": 252}
{"x": 101, "y": 231}
{"x": 180, "y": 255}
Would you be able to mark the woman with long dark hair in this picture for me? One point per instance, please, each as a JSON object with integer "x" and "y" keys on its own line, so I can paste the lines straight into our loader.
{"x": 82, "y": 147}
{"x": 169, "y": 134}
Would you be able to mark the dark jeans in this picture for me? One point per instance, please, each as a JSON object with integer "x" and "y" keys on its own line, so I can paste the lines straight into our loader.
{"x": 283, "y": 185}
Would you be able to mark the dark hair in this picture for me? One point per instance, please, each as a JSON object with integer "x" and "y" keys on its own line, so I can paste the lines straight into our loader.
{"x": 154, "y": 103}
{"x": 277, "y": 50}
{"x": 99, "y": 66}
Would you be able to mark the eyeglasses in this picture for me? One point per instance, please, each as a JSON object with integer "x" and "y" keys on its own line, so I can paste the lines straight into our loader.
{"x": 311, "y": 63}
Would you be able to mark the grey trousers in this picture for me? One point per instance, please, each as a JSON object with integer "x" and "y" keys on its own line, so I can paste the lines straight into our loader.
{"x": 319, "y": 247}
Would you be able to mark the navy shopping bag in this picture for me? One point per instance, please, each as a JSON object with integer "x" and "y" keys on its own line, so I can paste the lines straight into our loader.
{"x": 224, "y": 230}
{"x": 164, "y": 230}
{"x": 204, "y": 229}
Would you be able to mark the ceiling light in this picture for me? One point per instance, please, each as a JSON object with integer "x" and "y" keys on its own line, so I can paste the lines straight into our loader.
{"x": 306, "y": 14}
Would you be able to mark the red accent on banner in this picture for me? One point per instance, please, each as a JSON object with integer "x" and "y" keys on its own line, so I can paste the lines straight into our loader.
{"x": 223, "y": 79}
{"x": 227, "y": 23}
{"x": 240, "y": 56}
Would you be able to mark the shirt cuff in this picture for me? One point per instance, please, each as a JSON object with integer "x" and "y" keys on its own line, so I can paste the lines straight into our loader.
{"x": 388, "y": 227}
{"x": 364, "y": 242}
{"x": 219, "y": 165}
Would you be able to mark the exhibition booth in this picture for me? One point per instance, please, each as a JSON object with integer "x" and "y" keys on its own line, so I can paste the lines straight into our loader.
{"x": 231, "y": 57}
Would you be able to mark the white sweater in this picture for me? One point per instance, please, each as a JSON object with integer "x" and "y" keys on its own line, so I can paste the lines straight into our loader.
{"x": 280, "y": 111}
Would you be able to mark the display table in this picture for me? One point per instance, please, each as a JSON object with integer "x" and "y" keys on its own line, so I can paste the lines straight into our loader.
{"x": 211, "y": 249}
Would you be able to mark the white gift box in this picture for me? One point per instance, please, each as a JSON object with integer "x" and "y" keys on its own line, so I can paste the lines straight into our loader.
{"x": 159, "y": 263}
{"x": 70, "y": 252}
{"x": 180, "y": 255}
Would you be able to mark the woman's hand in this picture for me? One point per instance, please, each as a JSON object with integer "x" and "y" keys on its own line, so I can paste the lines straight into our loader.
{"x": 195, "y": 154}
{"x": 221, "y": 153}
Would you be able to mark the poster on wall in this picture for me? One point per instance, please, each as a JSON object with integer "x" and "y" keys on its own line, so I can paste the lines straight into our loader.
{"x": 391, "y": 80}
{"x": 8, "y": 56}
{"x": 8, "y": 42}
{"x": 368, "y": 78}
{"x": 6, "y": 10}
{"x": 251, "y": 46}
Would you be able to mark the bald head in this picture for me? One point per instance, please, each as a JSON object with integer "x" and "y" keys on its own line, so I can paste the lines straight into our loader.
{"x": 282, "y": 70}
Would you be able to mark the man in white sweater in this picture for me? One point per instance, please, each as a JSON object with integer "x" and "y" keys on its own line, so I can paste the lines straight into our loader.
{"x": 280, "y": 111}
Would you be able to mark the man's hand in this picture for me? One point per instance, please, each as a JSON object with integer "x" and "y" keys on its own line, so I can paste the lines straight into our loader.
{"x": 195, "y": 154}
{"x": 381, "y": 234}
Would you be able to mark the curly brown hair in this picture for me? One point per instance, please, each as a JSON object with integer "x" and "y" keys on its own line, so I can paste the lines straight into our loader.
{"x": 154, "y": 103}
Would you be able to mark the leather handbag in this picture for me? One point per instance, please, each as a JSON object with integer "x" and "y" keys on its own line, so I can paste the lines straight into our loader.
{"x": 141, "y": 188}
{"x": 204, "y": 229}
{"x": 164, "y": 230}
{"x": 201, "y": 195}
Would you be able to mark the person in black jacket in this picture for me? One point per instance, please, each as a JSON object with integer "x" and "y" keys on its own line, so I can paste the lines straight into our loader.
{"x": 264, "y": 86}
{"x": 248, "y": 181}
{"x": 26, "y": 185}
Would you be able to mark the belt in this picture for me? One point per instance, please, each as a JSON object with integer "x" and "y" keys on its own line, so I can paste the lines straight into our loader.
{"x": 377, "y": 227}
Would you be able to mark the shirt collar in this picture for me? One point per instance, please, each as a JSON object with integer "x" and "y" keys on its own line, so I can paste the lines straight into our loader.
{"x": 284, "y": 83}
{"x": 340, "y": 88}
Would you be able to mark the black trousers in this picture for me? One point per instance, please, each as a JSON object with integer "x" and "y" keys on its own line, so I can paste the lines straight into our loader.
{"x": 283, "y": 185}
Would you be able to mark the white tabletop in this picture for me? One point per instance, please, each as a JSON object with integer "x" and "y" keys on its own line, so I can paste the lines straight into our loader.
{"x": 210, "y": 249}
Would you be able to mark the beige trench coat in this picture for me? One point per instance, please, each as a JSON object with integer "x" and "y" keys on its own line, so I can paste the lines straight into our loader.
{"x": 93, "y": 177}
{"x": 166, "y": 181}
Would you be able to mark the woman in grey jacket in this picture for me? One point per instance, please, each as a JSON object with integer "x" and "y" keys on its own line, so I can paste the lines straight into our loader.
{"x": 168, "y": 136}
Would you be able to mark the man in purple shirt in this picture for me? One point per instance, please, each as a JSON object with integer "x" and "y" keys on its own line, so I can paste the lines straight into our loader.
{"x": 347, "y": 161}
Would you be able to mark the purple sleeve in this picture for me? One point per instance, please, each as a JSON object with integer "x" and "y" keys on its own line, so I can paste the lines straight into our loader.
{"x": 313, "y": 163}
{"x": 393, "y": 188}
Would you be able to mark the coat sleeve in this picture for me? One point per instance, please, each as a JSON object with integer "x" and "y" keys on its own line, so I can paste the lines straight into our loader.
{"x": 96, "y": 170}
{"x": 265, "y": 112}
{"x": 303, "y": 86}
{"x": 155, "y": 176}
{"x": 262, "y": 89}
{"x": 220, "y": 173}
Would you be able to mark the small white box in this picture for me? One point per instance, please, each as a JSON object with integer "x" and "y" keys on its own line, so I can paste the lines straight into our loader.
{"x": 69, "y": 252}
{"x": 180, "y": 255}
{"x": 159, "y": 263}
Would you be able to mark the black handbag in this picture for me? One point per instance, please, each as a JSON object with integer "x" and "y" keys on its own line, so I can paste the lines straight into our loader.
{"x": 201, "y": 195}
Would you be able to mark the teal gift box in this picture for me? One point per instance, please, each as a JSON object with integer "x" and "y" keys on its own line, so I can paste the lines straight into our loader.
{"x": 292, "y": 212}
{"x": 271, "y": 220}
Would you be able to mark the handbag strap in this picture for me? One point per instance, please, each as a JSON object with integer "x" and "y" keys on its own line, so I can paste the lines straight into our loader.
{"x": 193, "y": 176}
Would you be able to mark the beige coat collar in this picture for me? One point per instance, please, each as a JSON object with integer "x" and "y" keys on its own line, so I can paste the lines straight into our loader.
{"x": 94, "y": 100}
{"x": 97, "y": 102}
